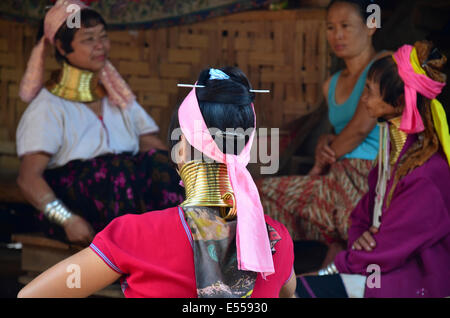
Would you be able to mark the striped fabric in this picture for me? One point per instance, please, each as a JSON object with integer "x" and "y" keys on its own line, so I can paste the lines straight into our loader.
{"x": 106, "y": 259}
{"x": 317, "y": 207}
{"x": 185, "y": 226}
{"x": 307, "y": 287}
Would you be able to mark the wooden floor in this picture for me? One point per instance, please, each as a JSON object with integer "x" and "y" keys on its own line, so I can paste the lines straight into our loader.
{"x": 9, "y": 272}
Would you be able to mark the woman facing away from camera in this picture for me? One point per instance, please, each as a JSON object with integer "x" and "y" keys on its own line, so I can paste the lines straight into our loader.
{"x": 399, "y": 241}
{"x": 317, "y": 206}
{"x": 218, "y": 242}
{"x": 89, "y": 152}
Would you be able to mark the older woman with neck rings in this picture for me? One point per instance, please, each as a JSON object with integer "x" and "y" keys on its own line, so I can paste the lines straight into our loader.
{"x": 317, "y": 206}
{"x": 88, "y": 150}
{"x": 400, "y": 233}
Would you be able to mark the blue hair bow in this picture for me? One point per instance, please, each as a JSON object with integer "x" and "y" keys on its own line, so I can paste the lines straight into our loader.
{"x": 215, "y": 74}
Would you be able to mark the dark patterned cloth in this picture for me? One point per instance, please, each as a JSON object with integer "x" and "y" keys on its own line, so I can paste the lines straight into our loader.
{"x": 215, "y": 255}
{"x": 327, "y": 286}
{"x": 108, "y": 186}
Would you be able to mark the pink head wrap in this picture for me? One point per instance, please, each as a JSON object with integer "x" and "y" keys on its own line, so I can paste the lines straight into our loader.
{"x": 252, "y": 241}
{"x": 414, "y": 83}
{"x": 119, "y": 93}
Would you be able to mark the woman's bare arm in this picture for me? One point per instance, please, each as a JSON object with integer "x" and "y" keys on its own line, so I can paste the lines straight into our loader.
{"x": 288, "y": 289}
{"x": 151, "y": 141}
{"x": 37, "y": 191}
{"x": 31, "y": 181}
{"x": 321, "y": 162}
{"x": 78, "y": 276}
{"x": 357, "y": 129}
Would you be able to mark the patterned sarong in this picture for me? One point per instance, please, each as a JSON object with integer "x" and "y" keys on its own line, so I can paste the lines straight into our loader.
{"x": 317, "y": 207}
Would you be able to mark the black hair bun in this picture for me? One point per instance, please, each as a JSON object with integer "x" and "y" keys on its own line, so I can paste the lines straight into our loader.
{"x": 235, "y": 90}
{"x": 226, "y": 105}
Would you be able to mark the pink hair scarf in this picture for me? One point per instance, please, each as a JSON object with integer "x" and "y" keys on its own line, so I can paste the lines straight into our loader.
{"x": 253, "y": 246}
{"x": 119, "y": 93}
{"x": 414, "y": 83}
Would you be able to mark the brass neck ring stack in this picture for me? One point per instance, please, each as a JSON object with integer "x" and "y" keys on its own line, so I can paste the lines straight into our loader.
{"x": 208, "y": 184}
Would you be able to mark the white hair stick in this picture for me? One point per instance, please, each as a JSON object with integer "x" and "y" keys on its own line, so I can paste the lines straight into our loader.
{"x": 189, "y": 85}
{"x": 252, "y": 90}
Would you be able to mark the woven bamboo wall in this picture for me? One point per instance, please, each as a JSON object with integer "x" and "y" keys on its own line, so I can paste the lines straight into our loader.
{"x": 283, "y": 51}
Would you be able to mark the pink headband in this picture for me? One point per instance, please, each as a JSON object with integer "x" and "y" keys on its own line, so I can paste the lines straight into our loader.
{"x": 119, "y": 93}
{"x": 414, "y": 83}
{"x": 253, "y": 247}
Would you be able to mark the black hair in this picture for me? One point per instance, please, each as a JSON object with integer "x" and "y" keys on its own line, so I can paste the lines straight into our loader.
{"x": 88, "y": 18}
{"x": 360, "y": 5}
{"x": 224, "y": 104}
{"x": 384, "y": 72}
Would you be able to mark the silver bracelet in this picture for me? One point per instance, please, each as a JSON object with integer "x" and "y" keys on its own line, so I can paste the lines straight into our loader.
{"x": 57, "y": 212}
{"x": 329, "y": 270}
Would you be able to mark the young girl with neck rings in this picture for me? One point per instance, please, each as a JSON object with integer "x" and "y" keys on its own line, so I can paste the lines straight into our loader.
{"x": 218, "y": 242}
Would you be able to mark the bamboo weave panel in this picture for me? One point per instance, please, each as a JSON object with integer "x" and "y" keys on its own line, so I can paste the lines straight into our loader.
{"x": 284, "y": 51}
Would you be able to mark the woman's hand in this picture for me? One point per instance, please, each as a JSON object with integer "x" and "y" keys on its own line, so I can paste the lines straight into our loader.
{"x": 316, "y": 170}
{"x": 324, "y": 154}
{"x": 366, "y": 241}
{"x": 78, "y": 230}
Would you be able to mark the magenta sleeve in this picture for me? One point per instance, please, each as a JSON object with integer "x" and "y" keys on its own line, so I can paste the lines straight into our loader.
{"x": 361, "y": 216}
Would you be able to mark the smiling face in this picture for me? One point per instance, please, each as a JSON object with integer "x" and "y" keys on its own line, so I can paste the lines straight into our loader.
{"x": 347, "y": 33}
{"x": 376, "y": 106}
{"x": 90, "y": 48}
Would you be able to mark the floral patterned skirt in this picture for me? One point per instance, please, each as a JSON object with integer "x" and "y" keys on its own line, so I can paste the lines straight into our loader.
{"x": 105, "y": 187}
{"x": 317, "y": 207}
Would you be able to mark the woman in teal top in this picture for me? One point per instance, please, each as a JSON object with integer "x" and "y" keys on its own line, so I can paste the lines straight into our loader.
{"x": 341, "y": 114}
{"x": 317, "y": 206}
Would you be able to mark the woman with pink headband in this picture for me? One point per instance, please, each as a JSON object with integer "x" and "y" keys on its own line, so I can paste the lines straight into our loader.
{"x": 89, "y": 152}
{"x": 399, "y": 241}
{"x": 218, "y": 242}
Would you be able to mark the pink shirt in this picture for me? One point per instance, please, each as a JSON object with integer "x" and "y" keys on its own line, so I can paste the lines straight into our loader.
{"x": 153, "y": 252}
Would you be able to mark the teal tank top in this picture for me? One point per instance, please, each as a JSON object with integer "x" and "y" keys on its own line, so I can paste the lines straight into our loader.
{"x": 340, "y": 114}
